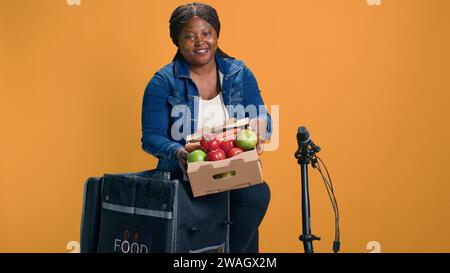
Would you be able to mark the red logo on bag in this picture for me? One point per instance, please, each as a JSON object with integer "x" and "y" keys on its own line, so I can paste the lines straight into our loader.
{"x": 125, "y": 246}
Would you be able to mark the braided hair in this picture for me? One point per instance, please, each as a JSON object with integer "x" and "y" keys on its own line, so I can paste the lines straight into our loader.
{"x": 181, "y": 16}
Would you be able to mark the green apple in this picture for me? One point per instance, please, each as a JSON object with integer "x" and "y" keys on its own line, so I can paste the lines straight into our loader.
{"x": 223, "y": 175}
{"x": 246, "y": 139}
{"x": 228, "y": 174}
{"x": 197, "y": 155}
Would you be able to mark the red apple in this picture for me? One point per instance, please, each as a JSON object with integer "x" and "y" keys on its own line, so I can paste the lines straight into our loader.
{"x": 215, "y": 155}
{"x": 214, "y": 144}
{"x": 227, "y": 145}
{"x": 234, "y": 151}
{"x": 209, "y": 142}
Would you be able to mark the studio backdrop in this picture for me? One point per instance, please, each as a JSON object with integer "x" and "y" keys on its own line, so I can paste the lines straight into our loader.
{"x": 369, "y": 79}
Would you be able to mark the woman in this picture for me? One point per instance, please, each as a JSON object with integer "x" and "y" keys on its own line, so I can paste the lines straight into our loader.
{"x": 203, "y": 86}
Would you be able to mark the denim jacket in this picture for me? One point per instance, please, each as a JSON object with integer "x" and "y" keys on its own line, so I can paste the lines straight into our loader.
{"x": 170, "y": 106}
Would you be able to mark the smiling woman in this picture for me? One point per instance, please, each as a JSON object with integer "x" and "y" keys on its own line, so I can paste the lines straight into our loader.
{"x": 197, "y": 42}
{"x": 192, "y": 21}
{"x": 199, "y": 77}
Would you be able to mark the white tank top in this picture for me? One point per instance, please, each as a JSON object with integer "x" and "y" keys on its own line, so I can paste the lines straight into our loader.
{"x": 211, "y": 112}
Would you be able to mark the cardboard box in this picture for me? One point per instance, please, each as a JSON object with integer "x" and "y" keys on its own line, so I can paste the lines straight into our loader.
{"x": 240, "y": 171}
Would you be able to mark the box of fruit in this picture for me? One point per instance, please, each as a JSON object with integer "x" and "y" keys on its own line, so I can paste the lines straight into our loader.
{"x": 227, "y": 158}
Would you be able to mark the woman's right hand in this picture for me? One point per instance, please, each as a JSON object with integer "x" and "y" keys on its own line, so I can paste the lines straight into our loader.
{"x": 182, "y": 155}
{"x": 183, "y": 152}
{"x": 192, "y": 146}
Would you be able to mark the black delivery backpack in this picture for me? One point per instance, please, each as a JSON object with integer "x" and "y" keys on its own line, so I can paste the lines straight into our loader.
{"x": 149, "y": 212}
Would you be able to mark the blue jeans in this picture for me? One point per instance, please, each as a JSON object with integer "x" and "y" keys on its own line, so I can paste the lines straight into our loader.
{"x": 248, "y": 207}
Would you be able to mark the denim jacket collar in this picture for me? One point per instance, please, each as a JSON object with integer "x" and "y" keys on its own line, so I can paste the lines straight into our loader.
{"x": 226, "y": 66}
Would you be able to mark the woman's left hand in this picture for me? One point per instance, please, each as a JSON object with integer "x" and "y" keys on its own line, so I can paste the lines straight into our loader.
{"x": 259, "y": 126}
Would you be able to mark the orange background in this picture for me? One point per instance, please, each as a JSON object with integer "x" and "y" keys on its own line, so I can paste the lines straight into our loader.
{"x": 371, "y": 83}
